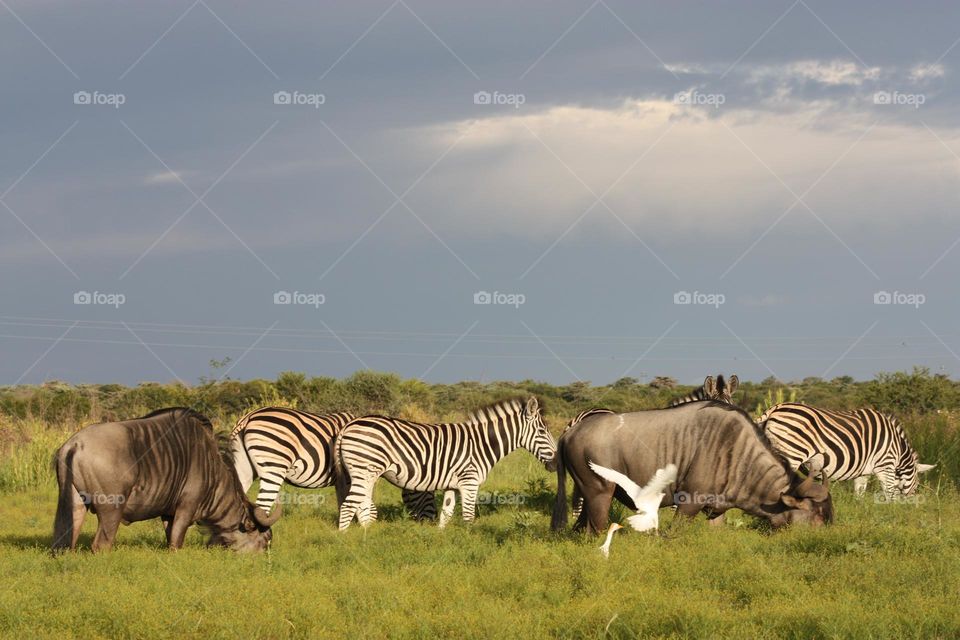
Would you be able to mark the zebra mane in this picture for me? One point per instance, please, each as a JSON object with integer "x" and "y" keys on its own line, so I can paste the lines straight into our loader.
{"x": 496, "y": 412}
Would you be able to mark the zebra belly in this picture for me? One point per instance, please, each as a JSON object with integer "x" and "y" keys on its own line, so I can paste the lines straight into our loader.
{"x": 400, "y": 479}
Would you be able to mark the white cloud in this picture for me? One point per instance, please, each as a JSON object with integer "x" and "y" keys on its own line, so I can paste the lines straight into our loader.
{"x": 699, "y": 178}
{"x": 164, "y": 177}
{"x": 926, "y": 71}
{"x": 826, "y": 72}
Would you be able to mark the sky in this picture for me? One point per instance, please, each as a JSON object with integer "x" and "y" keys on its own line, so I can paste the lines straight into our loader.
{"x": 558, "y": 191}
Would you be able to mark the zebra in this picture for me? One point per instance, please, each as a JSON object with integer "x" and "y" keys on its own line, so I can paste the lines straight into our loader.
{"x": 429, "y": 457}
{"x": 855, "y": 445}
{"x": 719, "y": 390}
{"x": 281, "y": 445}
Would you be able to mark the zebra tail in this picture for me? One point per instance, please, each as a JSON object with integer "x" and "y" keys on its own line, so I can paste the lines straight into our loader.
{"x": 559, "y": 520}
{"x": 342, "y": 479}
{"x": 63, "y": 522}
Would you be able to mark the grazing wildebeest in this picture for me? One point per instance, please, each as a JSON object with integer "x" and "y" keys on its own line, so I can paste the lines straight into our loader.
{"x": 722, "y": 462}
{"x": 164, "y": 465}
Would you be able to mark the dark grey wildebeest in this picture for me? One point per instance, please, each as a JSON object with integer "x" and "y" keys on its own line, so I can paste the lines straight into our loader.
{"x": 722, "y": 462}
{"x": 164, "y": 465}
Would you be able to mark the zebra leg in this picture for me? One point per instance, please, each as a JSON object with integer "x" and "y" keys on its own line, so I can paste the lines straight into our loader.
{"x": 420, "y": 504}
{"x": 449, "y": 502}
{"x": 576, "y": 501}
{"x": 468, "y": 502}
{"x": 359, "y": 501}
{"x": 860, "y": 485}
{"x": 270, "y": 483}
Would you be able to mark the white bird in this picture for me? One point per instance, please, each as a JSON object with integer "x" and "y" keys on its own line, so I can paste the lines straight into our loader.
{"x": 646, "y": 499}
{"x": 605, "y": 549}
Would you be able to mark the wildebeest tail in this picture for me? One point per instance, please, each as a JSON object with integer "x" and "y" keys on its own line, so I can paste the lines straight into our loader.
{"x": 559, "y": 520}
{"x": 63, "y": 522}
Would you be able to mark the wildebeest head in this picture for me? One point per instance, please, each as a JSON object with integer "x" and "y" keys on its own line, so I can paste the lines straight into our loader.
{"x": 806, "y": 502}
{"x": 534, "y": 436}
{"x": 252, "y": 531}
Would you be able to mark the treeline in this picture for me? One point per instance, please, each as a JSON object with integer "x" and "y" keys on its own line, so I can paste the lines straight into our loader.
{"x": 56, "y": 403}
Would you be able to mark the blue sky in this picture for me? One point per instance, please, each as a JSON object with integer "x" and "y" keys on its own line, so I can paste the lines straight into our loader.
{"x": 641, "y": 188}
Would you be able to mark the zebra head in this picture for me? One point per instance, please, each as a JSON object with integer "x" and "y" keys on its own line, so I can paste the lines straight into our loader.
{"x": 906, "y": 475}
{"x": 720, "y": 389}
{"x": 534, "y": 436}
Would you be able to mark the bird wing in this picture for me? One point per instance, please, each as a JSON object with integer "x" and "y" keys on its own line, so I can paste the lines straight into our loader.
{"x": 628, "y": 485}
{"x": 660, "y": 480}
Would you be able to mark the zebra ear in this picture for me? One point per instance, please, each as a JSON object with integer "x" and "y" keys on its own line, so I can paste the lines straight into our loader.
{"x": 733, "y": 383}
{"x": 533, "y": 406}
{"x": 709, "y": 386}
{"x": 923, "y": 468}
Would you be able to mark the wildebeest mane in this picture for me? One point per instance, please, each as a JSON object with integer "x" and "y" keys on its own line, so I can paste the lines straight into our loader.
{"x": 181, "y": 413}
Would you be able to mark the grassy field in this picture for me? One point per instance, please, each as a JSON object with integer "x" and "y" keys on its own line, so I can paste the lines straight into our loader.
{"x": 883, "y": 570}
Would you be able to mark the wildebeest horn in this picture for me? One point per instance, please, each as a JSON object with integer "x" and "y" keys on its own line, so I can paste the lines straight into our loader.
{"x": 266, "y": 520}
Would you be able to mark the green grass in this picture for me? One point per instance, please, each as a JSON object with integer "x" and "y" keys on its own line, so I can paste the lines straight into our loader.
{"x": 883, "y": 570}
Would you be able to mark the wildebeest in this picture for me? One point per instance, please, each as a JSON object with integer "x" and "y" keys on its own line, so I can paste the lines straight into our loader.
{"x": 166, "y": 464}
{"x": 722, "y": 462}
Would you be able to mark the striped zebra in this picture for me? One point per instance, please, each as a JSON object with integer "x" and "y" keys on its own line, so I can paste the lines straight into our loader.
{"x": 281, "y": 445}
{"x": 430, "y": 457}
{"x": 718, "y": 389}
{"x": 855, "y": 445}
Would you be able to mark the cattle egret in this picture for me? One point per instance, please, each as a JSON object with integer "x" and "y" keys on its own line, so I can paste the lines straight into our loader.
{"x": 605, "y": 549}
{"x": 646, "y": 499}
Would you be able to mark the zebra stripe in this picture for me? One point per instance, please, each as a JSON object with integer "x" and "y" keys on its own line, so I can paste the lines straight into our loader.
{"x": 281, "y": 445}
{"x": 430, "y": 457}
{"x": 854, "y": 444}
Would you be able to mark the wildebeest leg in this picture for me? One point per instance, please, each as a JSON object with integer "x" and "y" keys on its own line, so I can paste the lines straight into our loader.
{"x": 108, "y": 521}
{"x": 182, "y": 520}
{"x": 79, "y": 513}
{"x": 717, "y": 520}
{"x": 688, "y": 510}
{"x": 598, "y": 509}
{"x": 167, "y": 522}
